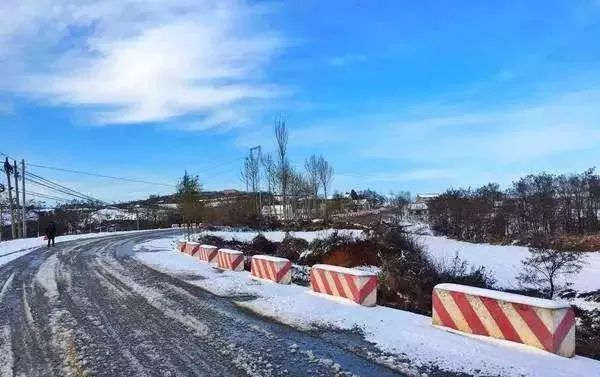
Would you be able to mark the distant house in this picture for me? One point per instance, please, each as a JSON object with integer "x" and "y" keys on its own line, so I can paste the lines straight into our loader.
{"x": 419, "y": 210}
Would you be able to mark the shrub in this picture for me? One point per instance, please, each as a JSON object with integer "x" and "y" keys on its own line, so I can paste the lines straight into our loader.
{"x": 459, "y": 271}
{"x": 323, "y": 246}
{"x": 291, "y": 248}
{"x": 588, "y": 333}
{"x": 261, "y": 245}
{"x": 301, "y": 275}
{"x": 408, "y": 275}
{"x": 208, "y": 239}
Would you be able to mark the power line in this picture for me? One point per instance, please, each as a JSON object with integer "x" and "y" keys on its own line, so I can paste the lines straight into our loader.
{"x": 41, "y": 181}
{"x": 45, "y": 196}
{"x": 54, "y": 188}
{"x": 100, "y": 175}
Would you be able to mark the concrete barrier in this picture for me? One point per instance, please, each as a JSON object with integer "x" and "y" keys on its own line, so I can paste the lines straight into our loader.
{"x": 230, "y": 260}
{"x": 271, "y": 268}
{"x": 208, "y": 253}
{"x": 181, "y": 246}
{"x": 192, "y": 248}
{"x": 356, "y": 285}
{"x": 545, "y": 324}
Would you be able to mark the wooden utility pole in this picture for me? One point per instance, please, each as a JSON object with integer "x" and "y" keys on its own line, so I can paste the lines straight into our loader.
{"x": 18, "y": 224}
{"x": 24, "y": 215}
{"x": 8, "y": 170}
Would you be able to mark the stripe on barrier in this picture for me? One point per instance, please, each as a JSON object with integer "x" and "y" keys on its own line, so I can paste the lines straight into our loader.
{"x": 540, "y": 323}
{"x": 358, "y": 286}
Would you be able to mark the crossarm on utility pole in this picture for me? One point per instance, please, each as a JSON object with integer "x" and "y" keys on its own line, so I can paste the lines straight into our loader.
{"x": 8, "y": 170}
{"x": 24, "y": 214}
{"x": 17, "y": 224}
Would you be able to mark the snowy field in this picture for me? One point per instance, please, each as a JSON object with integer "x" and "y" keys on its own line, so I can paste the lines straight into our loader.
{"x": 13, "y": 249}
{"x": 277, "y": 236}
{"x": 408, "y": 335}
{"x": 505, "y": 261}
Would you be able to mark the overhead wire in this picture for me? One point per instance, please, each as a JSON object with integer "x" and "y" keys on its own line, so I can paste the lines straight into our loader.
{"x": 59, "y": 188}
{"x": 100, "y": 175}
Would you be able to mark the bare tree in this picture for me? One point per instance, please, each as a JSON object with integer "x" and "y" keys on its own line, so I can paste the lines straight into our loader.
{"x": 282, "y": 163}
{"x": 250, "y": 172}
{"x": 271, "y": 177}
{"x": 312, "y": 175}
{"x": 325, "y": 178}
{"x": 549, "y": 269}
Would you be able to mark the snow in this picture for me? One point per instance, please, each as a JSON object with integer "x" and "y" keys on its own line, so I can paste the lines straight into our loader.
{"x": 46, "y": 276}
{"x": 504, "y": 296}
{"x": 505, "y": 261}
{"x": 6, "y": 353}
{"x": 270, "y": 258}
{"x": 343, "y": 270}
{"x": 409, "y": 335}
{"x": 13, "y": 249}
{"x": 210, "y": 247}
{"x": 278, "y": 236}
{"x": 230, "y": 251}
{"x": 108, "y": 214}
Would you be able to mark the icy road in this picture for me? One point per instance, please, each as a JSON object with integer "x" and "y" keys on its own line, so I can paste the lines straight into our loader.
{"x": 85, "y": 307}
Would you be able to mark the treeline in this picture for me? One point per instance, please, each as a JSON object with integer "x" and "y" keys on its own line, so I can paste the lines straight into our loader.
{"x": 548, "y": 204}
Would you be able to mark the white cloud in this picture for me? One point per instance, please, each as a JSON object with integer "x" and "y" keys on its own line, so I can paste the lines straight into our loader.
{"x": 140, "y": 61}
{"x": 346, "y": 59}
{"x": 427, "y": 174}
{"x": 7, "y": 108}
{"x": 511, "y": 134}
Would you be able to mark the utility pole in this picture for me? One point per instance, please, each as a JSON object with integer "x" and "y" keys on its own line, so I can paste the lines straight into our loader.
{"x": 1, "y": 212}
{"x": 24, "y": 205}
{"x": 16, "y": 172}
{"x": 8, "y": 170}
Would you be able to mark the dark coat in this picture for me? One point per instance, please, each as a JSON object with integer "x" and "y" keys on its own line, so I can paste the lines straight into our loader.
{"x": 51, "y": 230}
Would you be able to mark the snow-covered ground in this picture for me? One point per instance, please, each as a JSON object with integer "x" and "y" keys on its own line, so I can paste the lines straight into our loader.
{"x": 277, "y": 236}
{"x": 505, "y": 261}
{"x": 406, "y": 334}
{"x": 11, "y": 250}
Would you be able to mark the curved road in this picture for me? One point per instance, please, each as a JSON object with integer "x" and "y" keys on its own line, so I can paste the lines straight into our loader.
{"x": 86, "y": 308}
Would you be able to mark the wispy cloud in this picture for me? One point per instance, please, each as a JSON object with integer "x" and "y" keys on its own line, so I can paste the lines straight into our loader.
{"x": 518, "y": 133}
{"x": 402, "y": 176}
{"x": 136, "y": 62}
{"x": 346, "y": 59}
{"x": 7, "y": 108}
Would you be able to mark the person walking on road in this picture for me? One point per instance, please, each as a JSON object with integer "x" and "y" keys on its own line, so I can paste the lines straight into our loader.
{"x": 51, "y": 232}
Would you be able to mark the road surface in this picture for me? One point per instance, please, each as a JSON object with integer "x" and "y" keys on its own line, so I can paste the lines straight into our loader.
{"x": 86, "y": 308}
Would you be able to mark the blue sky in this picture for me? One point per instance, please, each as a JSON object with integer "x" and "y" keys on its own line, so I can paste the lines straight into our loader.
{"x": 398, "y": 95}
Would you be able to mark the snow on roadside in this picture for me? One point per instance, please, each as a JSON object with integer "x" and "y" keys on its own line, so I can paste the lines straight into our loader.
{"x": 46, "y": 276}
{"x": 13, "y": 249}
{"x": 409, "y": 335}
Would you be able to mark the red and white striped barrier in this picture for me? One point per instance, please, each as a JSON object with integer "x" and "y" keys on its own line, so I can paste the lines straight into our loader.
{"x": 356, "y": 285}
{"x": 230, "y": 260}
{"x": 544, "y": 324}
{"x": 208, "y": 253}
{"x": 181, "y": 246}
{"x": 192, "y": 248}
{"x": 271, "y": 268}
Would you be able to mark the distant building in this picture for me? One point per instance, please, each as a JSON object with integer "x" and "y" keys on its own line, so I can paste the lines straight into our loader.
{"x": 419, "y": 210}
